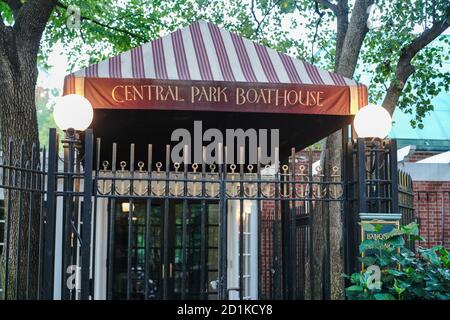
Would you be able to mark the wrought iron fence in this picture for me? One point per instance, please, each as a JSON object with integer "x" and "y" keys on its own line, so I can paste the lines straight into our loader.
{"x": 373, "y": 187}
{"x": 136, "y": 228}
{"x": 406, "y": 202}
{"x": 22, "y": 180}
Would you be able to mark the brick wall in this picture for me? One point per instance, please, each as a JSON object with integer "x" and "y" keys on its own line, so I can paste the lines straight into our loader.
{"x": 420, "y": 155}
{"x": 432, "y": 208}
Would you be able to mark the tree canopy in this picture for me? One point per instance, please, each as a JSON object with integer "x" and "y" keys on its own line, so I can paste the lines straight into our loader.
{"x": 304, "y": 28}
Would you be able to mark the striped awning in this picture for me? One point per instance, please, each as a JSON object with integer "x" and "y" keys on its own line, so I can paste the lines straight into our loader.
{"x": 206, "y": 68}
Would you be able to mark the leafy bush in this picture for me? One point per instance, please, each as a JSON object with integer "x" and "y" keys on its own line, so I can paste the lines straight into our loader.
{"x": 404, "y": 274}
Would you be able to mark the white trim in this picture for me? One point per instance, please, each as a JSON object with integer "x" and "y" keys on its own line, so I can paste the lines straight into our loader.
{"x": 149, "y": 63}
{"x": 125, "y": 65}
{"x": 434, "y": 172}
{"x": 169, "y": 58}
{"x": 211, "y": 51}
{"x": 192, "y": 64}
{"x": 232, "y": 56}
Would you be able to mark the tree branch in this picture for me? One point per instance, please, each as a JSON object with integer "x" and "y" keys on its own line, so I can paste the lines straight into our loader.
{"x": 106, "y": 25}
{"x": 320, "y": 14}
{"x": 354, "y": 37}
{"x": 15, "y": 6}
{"x": 341, "y": 28}
{"x": 31, "y": 21}
{"x": 260, "y": 22}
{"x": 327, "y": 4}
{"x": 404, "y": 67}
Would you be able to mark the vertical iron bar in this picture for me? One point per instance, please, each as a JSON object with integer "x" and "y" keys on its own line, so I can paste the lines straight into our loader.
{"x": 311, "y": 226}
{"x": 8, "y": 218}
{"x": 345, "y": 165}
{"x": 32, "y": 185}
{"x": 443, "y": 214}
{"x": 361, "y": 175}
{"x": 50, "y": 216}
{"x": 442, "y": 217}
{"x": 394, "y": 175}
{"x": 166, "y": 228}
{"x": 327, "y": 267}
{"x": 41, "y": 216}
{"x": 184, "y": 226}
{"x": 112, "y": 224}
{"x": 86, "y": 218}
{"x": 259, "y": 213}
{"x": 284, "y": 235}
{"x": 148, "y": 221}
{"x": 94, "y": 212}
{"x": 276, "y": 231}
{"x": 20, "y": 177}
{"x": 69, "y": 153}
{"x": 204, "y": 232}
{"x": 223, "y": 228}
{"x": 293, "y": 236}
{"x": 378, "y": 176}
{"x": 241, "y": 226}
{"x": 428, "y": 219}
{"x": 130, "y": 227}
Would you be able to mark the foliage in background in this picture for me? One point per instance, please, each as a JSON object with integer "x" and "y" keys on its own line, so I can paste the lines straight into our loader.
{"x": 305, "y": 29}
{"x": 396, "y": 25}
{"x": 44, "y": 109}
{"x": 405, "y": 274}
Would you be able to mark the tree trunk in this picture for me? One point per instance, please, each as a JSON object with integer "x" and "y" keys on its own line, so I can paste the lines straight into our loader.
{"x": 335, "y": 219}
{"x": 329, "y": 240}
{"x": 18, "y": 122}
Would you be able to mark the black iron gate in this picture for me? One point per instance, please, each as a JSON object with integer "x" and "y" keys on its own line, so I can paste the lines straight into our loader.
{"x": 137, "y": 228}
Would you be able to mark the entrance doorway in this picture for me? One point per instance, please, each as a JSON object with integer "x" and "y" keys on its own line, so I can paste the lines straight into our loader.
{"x": 180, "y": 241}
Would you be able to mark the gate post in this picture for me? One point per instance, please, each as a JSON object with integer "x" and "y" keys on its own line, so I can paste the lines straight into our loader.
{"x": 50, "y": 217}
{"x": 87, "y": 211}
{"x": 361, "y": 163}
{"x": 393, "y": 167}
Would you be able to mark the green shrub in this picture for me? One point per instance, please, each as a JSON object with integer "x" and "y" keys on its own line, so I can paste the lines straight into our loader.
{"x": 405, "y": 274}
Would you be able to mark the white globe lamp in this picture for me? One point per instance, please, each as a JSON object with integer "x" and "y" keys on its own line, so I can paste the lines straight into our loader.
{"x": 372, "y": 121}
{"x": 73, "y": 112}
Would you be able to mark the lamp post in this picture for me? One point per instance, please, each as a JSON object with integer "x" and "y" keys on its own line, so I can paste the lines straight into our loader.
{"x": 73, "y": 114}
{"x": 372, "y": 121}
{"x": 374, "y": 185}
{"x": 376, "y": 159}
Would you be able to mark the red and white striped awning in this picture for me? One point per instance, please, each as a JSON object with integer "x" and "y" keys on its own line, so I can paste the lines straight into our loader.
{"x": 203, "y": 67}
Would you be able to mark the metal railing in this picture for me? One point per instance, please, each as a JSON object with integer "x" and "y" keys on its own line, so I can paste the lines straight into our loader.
{"x": 137, "y": 228}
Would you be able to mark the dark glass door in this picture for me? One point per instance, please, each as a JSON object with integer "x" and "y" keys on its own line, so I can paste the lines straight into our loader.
{"x": 167, "y": 273}
{"x": 192, "y": 274}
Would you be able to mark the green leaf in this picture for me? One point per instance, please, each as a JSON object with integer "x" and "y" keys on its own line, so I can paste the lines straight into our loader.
{"x": 431, "y": 255}
{"x": 355, "y": 289}
{"x": 368, "y": 260}
{"x": 394, "y": 233}
{"x": 383, "y": 296}
{"x": 356, "y": 278}
{"x": 369, "y": 227}
{"x": 396, "y": 241}
{"x": 411, "y": 229}
{"x": 367, "y": 244}
{"x": 395, "y": 272}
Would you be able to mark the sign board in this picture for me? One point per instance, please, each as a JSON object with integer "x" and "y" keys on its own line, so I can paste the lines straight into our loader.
{"x": 155, "y": 94}
{"x": 387, "y": 221}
